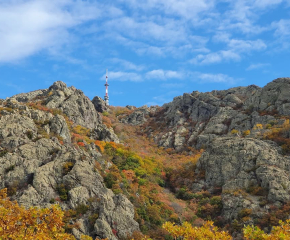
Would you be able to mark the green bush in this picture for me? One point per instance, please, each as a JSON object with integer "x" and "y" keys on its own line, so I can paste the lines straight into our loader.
{"x": 93, "y": 218}
{"x": 184, "y": 194}
{"x": 109, "y": 180}
{"x": 142, "y": 182}
{"x": 81, "y": 209}
{"x": 62, "y": 191}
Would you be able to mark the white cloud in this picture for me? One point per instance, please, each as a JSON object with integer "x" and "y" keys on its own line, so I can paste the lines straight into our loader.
{"x": 257, "y": 66}
{"x": 127, "y": 65}
{"x": 281, "y": 27}
{"x": 216, "y": 57}
{"x": 235, "y": 49}
{"x": 123, "y": 76}
{"x": 28, "y": 27}
{"x": 147, "y": 30}
{"x": 246, "y": 45}
{"x": 243, "y": 16}
{"x": 163, "y": 75}
{"x": 266, "y": 3}
{"x": 215, "y": 78}
{"x": 187, "y": 9}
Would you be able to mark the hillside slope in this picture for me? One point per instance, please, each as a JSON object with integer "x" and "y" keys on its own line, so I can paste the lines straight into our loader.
{"x": 244, "y": 133}
{"x": 116, "y": 171}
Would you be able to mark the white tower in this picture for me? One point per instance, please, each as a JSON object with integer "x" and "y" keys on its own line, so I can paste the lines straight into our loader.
{"x": 106, "y": 98}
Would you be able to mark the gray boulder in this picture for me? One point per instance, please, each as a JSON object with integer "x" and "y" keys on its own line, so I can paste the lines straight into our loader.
{"x": 99, "y": 104}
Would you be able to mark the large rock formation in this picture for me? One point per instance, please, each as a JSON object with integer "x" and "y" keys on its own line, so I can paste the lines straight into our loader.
{"x": 40, "y": 166}
{"x": 234, "y": 163}
{"x": 73, "y": 103}
{"x": 231, "y": 126}
{"x": 194, "y": 118}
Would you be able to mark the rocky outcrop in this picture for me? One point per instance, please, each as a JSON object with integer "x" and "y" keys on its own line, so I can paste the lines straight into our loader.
{"x": 99, "y": 104}
{"x": 274, "y": 97}
{"x": 74, "y": 104}
{"x": 217, "y": 113}
{"x": 235, "y": 163}
{"x": 138, "y": 116}
{"x": 102, "y": 132}
{"x": 40, "y": 165}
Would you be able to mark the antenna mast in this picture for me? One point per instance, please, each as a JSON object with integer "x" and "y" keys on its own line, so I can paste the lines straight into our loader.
{"x": 106, "y": 98}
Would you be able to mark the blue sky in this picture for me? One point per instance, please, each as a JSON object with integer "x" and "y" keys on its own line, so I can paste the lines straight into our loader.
{"x": 154, "y": 49}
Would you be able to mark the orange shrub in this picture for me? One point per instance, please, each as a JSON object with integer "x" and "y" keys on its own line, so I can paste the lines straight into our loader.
{"x": 81, "y": 144}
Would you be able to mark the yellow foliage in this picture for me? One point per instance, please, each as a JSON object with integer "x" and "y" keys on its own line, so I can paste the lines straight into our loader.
{"x": 188, "y": 232}
{"x": 234, "y": 131}
{"x": 246, "y": 133}
{"x": 100, "y": 145}
{"x": 258, "y": 126}
{"x": 16, "y": 222}
{"x": 279, "y": 232}
{"x": 81, "y": 130}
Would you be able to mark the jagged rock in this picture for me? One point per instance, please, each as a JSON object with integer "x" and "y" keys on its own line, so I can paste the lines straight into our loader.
{"x": 138, "y": 117}
{"x": 274, "y": 96}
{"x": 14, "y": 130}
{"x": 219, "y": 112}
{"x": 33, "y": 160}
{"x": 233, "y": 205}
{"x": 101, "y": 132}
{"x": 103, "y": 229}
{"x": 166, "y": 140}
{"x": 241, "y": 164}
{"x": 73, "y": 103}
{"x": 25, "y": 97}
{"x": 179, "y": 139}
{"x": 130, "y": 107}
{"x": 237, "y": 163}
{"x": 99, "y": 104}
{"x": 58, "y": 126}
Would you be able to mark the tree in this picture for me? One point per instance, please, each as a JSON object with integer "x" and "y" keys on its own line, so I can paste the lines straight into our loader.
{"x": 279, "y": 232}
{"x": 16, "y": 222}
{"x": 187, "y": 232}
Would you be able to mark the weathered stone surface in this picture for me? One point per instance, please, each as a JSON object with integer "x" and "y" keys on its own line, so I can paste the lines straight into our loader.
{"x": 58, "y": 126}
{"x": 274, "y": 96}
{"x": 240, "y": 163}
{"x": 99, "y": 104}
{"x": 73, "y": 103}
{"x": 138, "y": 117}
{"x": 220, "y": 112}
{"x": 33, "y": 158}
{"x": 101, "y": 132}
{"x": 25, "y": 97}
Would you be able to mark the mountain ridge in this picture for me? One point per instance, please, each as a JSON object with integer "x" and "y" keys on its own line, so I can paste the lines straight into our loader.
{"x": 219, "y": 152}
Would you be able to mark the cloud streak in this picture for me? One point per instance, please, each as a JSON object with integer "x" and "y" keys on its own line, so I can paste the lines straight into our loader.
{"x": 28, "y": 27}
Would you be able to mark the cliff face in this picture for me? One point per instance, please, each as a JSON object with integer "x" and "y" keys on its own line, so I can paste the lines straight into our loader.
{"x": 193, "y": 120}
{"x": 234, "y": 127}
{"x": 41, "y": 164}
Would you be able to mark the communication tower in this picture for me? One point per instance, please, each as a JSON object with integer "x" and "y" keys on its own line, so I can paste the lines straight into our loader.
{"x": 106, "y": 98}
